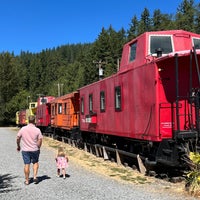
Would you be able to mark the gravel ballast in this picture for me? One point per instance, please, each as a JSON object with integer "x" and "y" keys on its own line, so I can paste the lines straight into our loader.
{"x": 80, "y": 183}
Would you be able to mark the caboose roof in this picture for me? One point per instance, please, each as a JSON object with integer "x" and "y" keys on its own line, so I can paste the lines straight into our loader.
{"x": 180, "y": 40}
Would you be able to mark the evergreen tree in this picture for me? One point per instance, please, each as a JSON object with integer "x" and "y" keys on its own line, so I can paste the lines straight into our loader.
{"x": 145, "y": 22}
{"x": 8, "y": 84}
{"x": 133, "y": 30}
{"x": 185, "y": 16}
{"x": 162, "y": 21}
{"x": 157, "y": 19}
{"x": 107, "y": 49}
{"x": 197, "y": 19}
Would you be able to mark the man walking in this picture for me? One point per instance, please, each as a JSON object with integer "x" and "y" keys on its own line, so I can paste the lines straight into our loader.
{"x": 31, "y": 138}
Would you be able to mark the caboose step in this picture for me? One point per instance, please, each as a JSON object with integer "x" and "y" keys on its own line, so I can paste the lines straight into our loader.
{"x": 186, "y": 134}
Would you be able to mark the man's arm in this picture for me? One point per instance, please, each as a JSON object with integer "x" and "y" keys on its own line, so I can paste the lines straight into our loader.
{"x": 39, "y": 143}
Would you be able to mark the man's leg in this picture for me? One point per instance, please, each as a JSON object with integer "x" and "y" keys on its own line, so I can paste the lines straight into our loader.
{"x": 35, "y": 170}
{"x": 27, "y": 172}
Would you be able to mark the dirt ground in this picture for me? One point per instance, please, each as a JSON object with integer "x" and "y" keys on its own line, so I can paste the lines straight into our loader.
{"x": 114, "y": 171}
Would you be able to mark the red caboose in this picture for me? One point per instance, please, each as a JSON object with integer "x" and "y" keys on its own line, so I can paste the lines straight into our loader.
{"x": 43, "y": 118}
{"x": 151, "y": 106}
{"x": 22, "y": 118}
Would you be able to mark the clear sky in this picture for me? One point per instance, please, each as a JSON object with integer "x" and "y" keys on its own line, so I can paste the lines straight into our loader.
{"x": 35, "y": 25}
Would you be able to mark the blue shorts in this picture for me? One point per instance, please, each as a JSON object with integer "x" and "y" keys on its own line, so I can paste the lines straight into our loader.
{"x": 30, "y": 156}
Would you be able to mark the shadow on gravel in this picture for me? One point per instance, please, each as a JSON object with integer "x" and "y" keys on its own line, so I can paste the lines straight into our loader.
{"x": 6, "y": 183}
{"x": 41, "y": 178}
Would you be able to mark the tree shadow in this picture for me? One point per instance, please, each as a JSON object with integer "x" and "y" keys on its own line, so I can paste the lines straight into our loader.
{"x": 6, "y": 183}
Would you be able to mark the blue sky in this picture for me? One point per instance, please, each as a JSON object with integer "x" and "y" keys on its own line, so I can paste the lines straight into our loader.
{"x": 34, "y": 25}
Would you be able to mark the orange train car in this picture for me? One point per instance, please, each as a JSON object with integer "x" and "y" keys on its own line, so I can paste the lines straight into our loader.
{"x": 65, "y": 112}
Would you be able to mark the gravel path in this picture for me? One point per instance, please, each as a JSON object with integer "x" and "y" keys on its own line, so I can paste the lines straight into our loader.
{"x": 80, "y": 183}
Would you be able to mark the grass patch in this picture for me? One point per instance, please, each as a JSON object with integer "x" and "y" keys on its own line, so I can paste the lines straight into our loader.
{"x": 120, "y": 170}
{"x": 140, "y": 178}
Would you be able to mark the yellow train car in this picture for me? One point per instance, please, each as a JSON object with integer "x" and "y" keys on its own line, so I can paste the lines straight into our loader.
{"x": 32, "y": 108}
{"x": 17, "y": 118}
{"x": 22, "y": 115}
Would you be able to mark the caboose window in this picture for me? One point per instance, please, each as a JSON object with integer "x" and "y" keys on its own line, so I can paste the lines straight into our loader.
{"x": 32, "y": 105}
{"x": 53, "y": 110}
{"x": 65, "y": 108}
{"x": 162, "y": 42}
{"x": 118, "y": 98}
{"x": 43, "y": 100}
{"x": 60, "y": 108}
{"x": 82, "y": 105}
{"x": 102, "y": 101}
{"x": 132, "y": 52}
{"x": 56, "y": 109}
{"x": 196, "y": 43}
{"x": 90, "y": 103}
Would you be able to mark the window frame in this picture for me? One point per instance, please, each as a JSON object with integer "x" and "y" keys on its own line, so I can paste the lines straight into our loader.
{"x": 158, "y": 35}
{"x": 82, "y": 106}
{"x": 193, "y": 44}
{"x": 53, "y": 109}
{"x": 65, "y": 108}
{"x": 60, "y": 108}
{"x": 118, "y": 98}
{"x": 102, "y": 101}
{"x": 132, "y": 53}
{"x": 90, "y": 99}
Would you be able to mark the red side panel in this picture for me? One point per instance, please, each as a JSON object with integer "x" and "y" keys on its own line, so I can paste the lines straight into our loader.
{"x": 139, "y": 110}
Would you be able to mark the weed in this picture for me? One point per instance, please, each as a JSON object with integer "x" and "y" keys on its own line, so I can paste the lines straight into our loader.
{"x": 193, "y": 176}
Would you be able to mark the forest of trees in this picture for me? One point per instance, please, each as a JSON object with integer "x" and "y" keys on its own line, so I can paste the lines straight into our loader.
{"x": 72, "y": 65}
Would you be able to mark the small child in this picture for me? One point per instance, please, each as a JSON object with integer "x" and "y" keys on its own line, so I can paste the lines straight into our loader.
{"x": 61, "y": 162}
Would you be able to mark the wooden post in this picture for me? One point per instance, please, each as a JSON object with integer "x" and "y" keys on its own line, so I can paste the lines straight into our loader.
{"x": 142, "y": 168}
{"x": 105, "y": 155}
{"x": 85, "y": 147}
{"x": 96, "y": 150}
{"x": 118, "y": 158}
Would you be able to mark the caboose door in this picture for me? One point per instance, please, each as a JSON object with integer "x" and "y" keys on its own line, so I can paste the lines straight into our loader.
{"x": 165, "y": 120}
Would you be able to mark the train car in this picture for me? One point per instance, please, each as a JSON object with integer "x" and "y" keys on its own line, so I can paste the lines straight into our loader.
{"x": 32, "y": 108}
{"x": 17, "y": 118}
{"x": 43, "y": 112}
{"x": 151, "y": 105}
{"x": 65, "y": 113}
{"x": 22, "y": 115}
{"x": 22, "y": 118}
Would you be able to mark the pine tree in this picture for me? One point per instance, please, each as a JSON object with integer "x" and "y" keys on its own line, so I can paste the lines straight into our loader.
{"x": 9, "y": 79}
{"x": 145, "y": 22}
{"x": 162, "y": 21}
{"x": 197, "y": 19}
{"x": 133, "y": 30}
{"x": 185, "y": 16}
